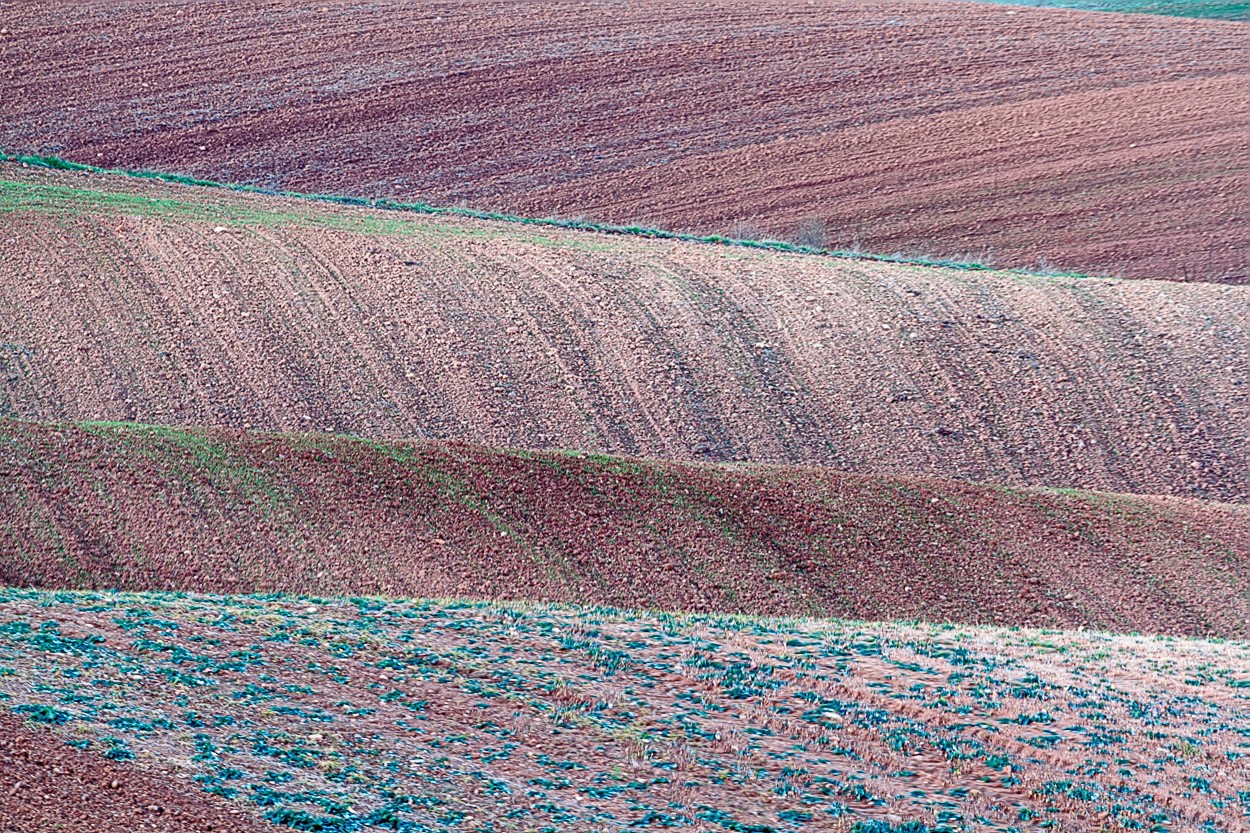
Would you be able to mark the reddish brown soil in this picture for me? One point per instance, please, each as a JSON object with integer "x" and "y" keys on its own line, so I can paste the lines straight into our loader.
{"x": 1100, "y": 142}
{"x": 47, "y": 786}
{"x": 155, "y": 509}
{"x": 174, "y": 305}
{"x": 1037, "y": 183}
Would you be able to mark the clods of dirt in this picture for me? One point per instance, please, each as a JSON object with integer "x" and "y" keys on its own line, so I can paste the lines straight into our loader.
{"x": 48, "y": 786}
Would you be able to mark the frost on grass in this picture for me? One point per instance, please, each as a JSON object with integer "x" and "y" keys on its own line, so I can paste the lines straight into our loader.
{"x": 364, "y": 713}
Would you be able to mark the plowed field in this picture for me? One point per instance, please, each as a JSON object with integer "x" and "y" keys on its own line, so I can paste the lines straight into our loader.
{"x": 156, "y": 509}
{"x": 127, "y": 300}
{"x": 1101, "y": 143}
{"x": 51, "y": 787}
{"x": 345, "y": 716}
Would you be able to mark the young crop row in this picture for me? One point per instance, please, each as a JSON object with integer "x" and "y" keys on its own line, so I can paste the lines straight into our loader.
{"x": 367, "y": 713}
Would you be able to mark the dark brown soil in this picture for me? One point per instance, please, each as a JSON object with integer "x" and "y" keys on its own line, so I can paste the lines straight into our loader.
{"x": 155, "y": 509}
{"x": 47, "y": 786}
{"x": 1101, "y": 143}
{"x": 175, "y": 305}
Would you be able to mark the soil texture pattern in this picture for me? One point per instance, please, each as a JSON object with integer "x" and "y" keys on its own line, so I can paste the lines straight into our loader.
{"x": 1100, "y": 143}
{"x": 134, "y": 508}
{"x": 165, "y": 304}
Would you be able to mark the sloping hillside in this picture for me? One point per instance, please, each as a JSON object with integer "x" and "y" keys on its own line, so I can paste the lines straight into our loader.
{"x": 129, "y": 507}
{"x": 353, "y": 715}
{"x": 1102, "y": 143}
{"x": 130, "y": 300}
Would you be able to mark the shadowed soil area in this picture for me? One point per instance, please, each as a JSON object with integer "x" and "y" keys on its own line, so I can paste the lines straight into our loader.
{"x": 138, "y": 508}
{"x": 166, "y": 304}
{"x": 47, "y": 786}
{"x": 1100, "y": 143}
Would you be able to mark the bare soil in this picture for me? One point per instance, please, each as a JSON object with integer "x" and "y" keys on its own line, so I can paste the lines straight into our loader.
{"x": 165, "y": 304}
{"x": 47, "y": 786}
{"x": 1100, "y": 143}
{"x": 154, "y": 509}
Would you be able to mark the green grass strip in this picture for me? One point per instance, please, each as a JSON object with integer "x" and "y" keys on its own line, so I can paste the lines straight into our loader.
{"x": 1204, "y": 9}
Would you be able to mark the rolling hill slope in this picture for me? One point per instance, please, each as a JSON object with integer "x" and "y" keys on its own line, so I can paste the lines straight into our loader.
{"x": 1102, "y": 143}
{"x": 129, "y": 507}
{"x": 123, "y": 299}
{"x": 366, "y": 714}
{"x": 521, "y": 477}
{"x": 45, "y": 779}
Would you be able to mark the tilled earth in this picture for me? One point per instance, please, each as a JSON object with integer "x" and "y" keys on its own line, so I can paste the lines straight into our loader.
{"x": 342, "y": 715}
{"x": 156, "y": 509}
{"x": 165, "y": 304}
{"x": 1101, "y": 143}
{"x": 48, "y": 786}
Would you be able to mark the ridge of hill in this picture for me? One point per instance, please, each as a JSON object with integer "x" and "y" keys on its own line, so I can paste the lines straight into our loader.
{"x": 127, "y": 299}
{"x": 1099, "y": 143}
{"x": 144, "y": 508}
